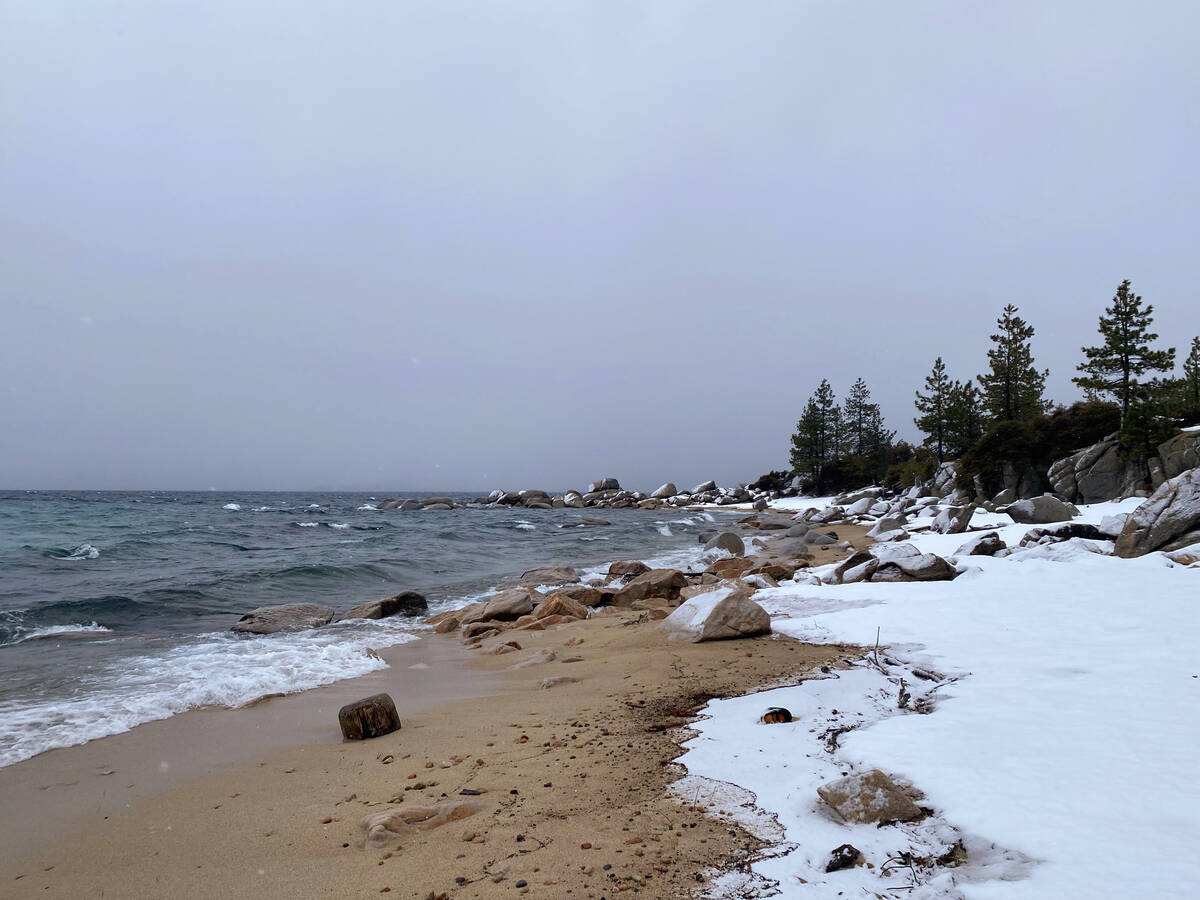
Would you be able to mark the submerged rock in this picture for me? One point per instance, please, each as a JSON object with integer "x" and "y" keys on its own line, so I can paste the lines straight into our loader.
{"x": 285, "y": 617}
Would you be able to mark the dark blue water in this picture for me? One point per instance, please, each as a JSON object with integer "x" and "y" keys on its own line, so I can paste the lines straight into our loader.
{"x": 115, "y": 607}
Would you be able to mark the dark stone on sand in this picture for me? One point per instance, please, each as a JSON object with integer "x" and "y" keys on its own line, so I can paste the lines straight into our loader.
{"x": 370, "y": 717}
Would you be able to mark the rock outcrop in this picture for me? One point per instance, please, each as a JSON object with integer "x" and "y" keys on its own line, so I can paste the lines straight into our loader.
{"x": 1171, "y": 512}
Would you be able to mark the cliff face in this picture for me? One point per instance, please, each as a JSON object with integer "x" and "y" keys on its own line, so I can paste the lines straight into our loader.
{"x": 1098, "y": 472}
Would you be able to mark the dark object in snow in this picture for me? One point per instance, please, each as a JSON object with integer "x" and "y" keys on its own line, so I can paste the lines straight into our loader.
{"x": 843, "y": 857}
{"x": 370, "y": 717}
{"x": 775, "y": 715}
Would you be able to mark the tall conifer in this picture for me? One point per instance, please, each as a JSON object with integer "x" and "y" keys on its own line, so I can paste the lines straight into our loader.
{"x": 1116, "y": 366}
{"x": 1013, "y": 387}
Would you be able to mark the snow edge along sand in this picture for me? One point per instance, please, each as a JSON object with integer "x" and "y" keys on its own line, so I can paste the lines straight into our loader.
{"x": 1057, "y": 744}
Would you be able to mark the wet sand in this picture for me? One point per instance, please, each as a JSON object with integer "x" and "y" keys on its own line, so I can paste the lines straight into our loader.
{"x": 570, "y": 781}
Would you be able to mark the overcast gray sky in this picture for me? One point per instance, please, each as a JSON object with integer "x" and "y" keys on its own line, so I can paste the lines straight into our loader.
{"x": 390, "y": 245}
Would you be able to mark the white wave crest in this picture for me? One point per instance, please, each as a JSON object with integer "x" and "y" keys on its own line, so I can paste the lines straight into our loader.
{"x": 212, "y": 670}
{"x": 84, "y": 551}
{"x": 665, "y": 530}
{"x": 525, "y": 526}
{"x": 371, "y": 506}
{"x": 338, "y": 525}
{"x": 232, "y": 507}
{"x": 51, "y": 631}
{"x": 308, "y": 524}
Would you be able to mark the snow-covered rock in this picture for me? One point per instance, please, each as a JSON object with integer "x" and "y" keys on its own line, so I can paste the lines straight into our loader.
{"x": 983, "y": 545}
{"x": 1042, "y": 510}
{"x": 870, "y": 798}
{"x": 953, "y": 519}
{"x": 1171, "y": 511}
{"x": 717, "y": 615}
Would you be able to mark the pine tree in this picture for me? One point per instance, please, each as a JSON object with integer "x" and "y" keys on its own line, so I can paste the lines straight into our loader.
{"x": 856, "y": 412}
{"x": 1014, "y": 386}
{"x": 964, "y": 417}
{"x": 814, "y": 442}
{"x": 877, "y": 446}
{"x": 1116, "y": 366}
{"x": 933, "y": 405}
{"x": 1191, "y": 379}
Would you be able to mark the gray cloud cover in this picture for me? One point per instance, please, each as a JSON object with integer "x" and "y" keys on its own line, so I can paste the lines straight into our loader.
{"x": 394, "y": 245}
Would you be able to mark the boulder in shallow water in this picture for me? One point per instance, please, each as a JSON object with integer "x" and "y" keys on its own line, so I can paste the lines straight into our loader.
{"x": 727, "y": 541}
{"x": 370, "y": 717}
{"x": 549, "y": 575}
{"x": 406, "y": 603}
{"x": 285, "y": 617}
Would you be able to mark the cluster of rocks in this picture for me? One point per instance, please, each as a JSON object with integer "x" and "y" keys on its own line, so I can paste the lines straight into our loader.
{"x": 1099, "y": 472}
{"x": 1091, "y": 475}
{"x": 604, "y": 493}
{"x": 1168, "y": 520}
{"x": 607, "y": 493}
{"x": 554, "y": 595}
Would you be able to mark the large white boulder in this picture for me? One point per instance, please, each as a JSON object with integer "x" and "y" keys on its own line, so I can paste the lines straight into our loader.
{"x": 1042, "y": 510}
{"x": 718, "y": 615}
{"x": 1170, "y": 512}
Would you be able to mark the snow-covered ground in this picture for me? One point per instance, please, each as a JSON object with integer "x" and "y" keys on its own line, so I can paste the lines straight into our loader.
{"x": 1058, "y": 738}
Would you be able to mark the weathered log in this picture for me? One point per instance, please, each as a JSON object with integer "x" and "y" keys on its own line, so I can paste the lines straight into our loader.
{"x": 370, "y": 717}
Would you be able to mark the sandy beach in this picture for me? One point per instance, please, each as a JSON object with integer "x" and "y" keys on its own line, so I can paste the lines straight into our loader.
{"x": 569, "y": 781}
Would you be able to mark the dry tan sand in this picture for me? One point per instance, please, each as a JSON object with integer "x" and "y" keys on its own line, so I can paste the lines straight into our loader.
{"x": 571, "y": 780}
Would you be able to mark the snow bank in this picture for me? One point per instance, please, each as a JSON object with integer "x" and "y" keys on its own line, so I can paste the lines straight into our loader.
{"x": 1060, "y": 740}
